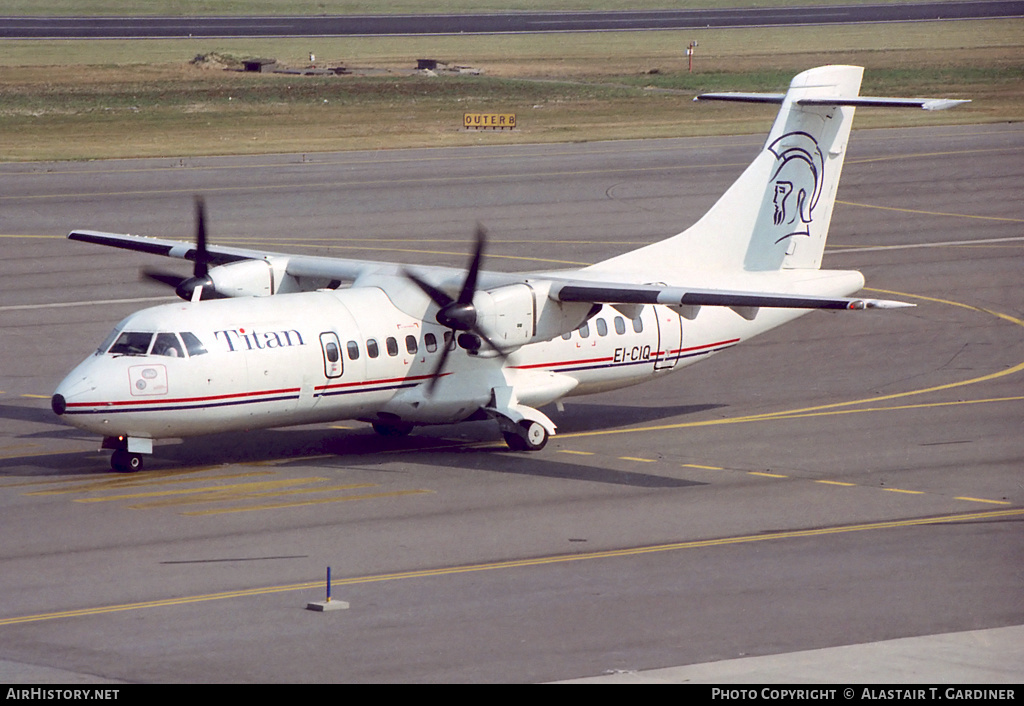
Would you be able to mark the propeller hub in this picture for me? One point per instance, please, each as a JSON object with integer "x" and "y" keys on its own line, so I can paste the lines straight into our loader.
{"x": 187, "y": 288}
{"x": 459, "y": 316}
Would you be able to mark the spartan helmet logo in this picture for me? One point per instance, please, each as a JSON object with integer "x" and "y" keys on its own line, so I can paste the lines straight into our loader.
{"x": 795, "y": 184}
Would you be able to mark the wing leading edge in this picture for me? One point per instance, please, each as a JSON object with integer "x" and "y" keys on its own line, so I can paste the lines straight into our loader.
{"x": 165, "y": 248}
{"x": 614, "y": 293}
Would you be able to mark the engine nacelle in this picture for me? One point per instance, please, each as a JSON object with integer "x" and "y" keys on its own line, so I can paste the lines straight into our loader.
{"x": 507, "y": 314}
{"x": 247, "y": 278}
{"x": 554, "y": 317}
{"x": 517, "y": 314}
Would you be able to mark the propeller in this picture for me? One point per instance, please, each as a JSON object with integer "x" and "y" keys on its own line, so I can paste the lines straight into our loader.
{"x": 185, "y": 287}
{"x": 459, "y": 314}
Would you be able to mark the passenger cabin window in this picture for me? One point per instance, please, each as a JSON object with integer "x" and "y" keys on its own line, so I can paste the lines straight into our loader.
{"x": 602, "y": 327}
{"x": 392, "y": 345}
{"x": 371, "y": 348}
{"x": 584, "y": 331}
{"x": 620, "y": 325}
{"x": 638, "y": 325}
{"x": 410, "y": 345}
{"x": 431, "y": 341}
{"x": 353, "y": 350}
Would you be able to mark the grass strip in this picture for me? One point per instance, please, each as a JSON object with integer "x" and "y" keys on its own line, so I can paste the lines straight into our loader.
{"x": 93, "y": 100}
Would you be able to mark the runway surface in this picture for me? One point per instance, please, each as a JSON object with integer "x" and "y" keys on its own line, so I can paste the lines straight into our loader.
{"x": 498, "y": 22}
{"x": 843, "y": 482}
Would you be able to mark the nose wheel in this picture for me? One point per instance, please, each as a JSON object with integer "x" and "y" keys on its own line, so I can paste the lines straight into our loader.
{"x": 124, "y": 461}
{"x": 128, "y": 452}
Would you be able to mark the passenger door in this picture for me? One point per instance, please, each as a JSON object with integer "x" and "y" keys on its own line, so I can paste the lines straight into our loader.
{"x": 330, "y": 344}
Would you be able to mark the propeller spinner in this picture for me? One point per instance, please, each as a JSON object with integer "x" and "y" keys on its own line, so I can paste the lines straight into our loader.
{"x": 459, "y": 314}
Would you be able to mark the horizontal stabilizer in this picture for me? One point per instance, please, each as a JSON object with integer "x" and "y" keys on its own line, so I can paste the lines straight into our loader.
{"x": 854, "y": 101}
{"x": 873, "y": 102}
{"x": 742, "y": 97}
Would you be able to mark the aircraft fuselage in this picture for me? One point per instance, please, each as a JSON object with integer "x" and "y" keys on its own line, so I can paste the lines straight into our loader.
{"x": 188, "y": 368}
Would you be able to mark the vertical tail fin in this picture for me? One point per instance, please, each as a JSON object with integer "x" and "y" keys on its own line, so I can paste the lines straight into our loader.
{"x": 777, "y": 214}
{"x": 807, "y": 145}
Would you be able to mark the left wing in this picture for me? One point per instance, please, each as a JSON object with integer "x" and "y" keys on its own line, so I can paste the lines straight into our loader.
{"x": 329, "y": 268}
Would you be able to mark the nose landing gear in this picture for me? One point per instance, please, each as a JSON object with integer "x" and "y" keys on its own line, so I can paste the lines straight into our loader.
{"x": 124, "y": 461}
{"x": 128, "y": 452}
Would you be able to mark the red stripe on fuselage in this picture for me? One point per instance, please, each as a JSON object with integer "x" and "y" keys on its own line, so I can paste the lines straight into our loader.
{"x": 182, "y": 400}
{"x": 383, "y": 381}
{"x": 730, "y": 342}
{"x": 581, "y": 361}
{"x": 606, "y": 359}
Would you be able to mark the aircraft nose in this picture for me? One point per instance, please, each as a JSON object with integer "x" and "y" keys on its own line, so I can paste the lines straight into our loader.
{"x": 79, "y": 384}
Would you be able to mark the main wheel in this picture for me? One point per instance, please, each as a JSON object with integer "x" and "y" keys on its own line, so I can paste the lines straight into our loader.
{"x": 394, "y": 429}
{"x": 530, "y": 436}
{"x": 124, "y": 461}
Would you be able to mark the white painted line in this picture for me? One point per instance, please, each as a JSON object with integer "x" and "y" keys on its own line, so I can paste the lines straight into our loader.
{"x": 100, "y": 302}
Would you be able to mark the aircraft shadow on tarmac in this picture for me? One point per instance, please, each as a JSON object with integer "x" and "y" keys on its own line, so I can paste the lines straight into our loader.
{"x": 22, "y": 413}
{"x": 581, "y": 417}
{"x": 542, "y": 466}
{"x": 471, "y": 445}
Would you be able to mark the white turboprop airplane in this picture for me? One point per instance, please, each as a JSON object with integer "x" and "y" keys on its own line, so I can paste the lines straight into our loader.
{"x": 266, "y": 340}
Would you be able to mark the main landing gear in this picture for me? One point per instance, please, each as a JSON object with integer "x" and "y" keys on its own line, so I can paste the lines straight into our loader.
{"x": 528, "y": 435}
{"x": 392, "y": 429}
{"x": 523, "y": 428}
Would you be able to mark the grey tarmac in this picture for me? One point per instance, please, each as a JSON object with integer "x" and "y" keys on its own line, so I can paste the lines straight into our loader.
{"x": 95, "y": 27}
{"x": 846, "y": 481}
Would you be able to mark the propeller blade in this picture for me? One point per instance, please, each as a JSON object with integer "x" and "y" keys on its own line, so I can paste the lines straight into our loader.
{"x": 170, "y": 279}
{"x": 202, "y": 254}
{"x": 457, "y": 314}
{"x": 445, "y": 350}
{"x": 479, "y": 332}
{"x": 185, "y": 287}
{"x": 469, "y": 286}
{"x": 438, "y": 296}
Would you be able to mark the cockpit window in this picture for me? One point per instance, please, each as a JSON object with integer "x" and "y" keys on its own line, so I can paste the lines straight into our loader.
{"x": 192, "y": 344}
{"x": 131, "y": 343}
{"x": 141, "y": 343}
{"x": 107, "y": 341}
{"x": 167, "y": 344}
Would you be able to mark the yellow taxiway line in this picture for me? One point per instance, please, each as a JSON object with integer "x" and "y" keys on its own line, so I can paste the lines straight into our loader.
{"x": 522, "y": 563}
